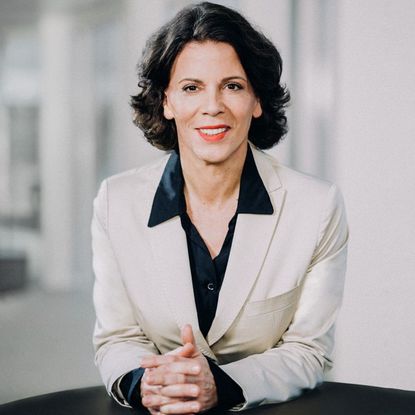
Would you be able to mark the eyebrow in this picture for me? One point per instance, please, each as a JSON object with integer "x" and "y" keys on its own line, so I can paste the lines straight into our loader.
{"x": 198, "y": 81}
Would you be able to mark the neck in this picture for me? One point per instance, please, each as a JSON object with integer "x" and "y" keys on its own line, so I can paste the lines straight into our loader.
{"x": 213, "y": 185}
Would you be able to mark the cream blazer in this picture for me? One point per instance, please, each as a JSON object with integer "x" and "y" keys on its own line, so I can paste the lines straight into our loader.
{"x": 273, "y": 329}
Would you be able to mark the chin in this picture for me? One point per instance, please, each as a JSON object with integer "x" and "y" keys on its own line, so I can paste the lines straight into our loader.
{"x": 212, "y": 153}
{"x": 212, "y": 158}
{"x": 215, "y": 154}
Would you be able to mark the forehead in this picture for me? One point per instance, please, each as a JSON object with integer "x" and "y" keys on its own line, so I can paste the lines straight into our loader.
{"x": 207, "y": 57}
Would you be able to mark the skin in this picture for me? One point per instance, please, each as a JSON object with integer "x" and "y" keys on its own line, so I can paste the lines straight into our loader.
{"x": 179, "y": 382}
{"x": 208, "y": 87}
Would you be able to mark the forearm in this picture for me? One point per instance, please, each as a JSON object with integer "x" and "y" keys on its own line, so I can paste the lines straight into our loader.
{"x": 277, "y": 375}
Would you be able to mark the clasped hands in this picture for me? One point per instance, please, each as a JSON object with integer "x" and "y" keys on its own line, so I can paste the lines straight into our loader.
{"x": 179, "y": 382}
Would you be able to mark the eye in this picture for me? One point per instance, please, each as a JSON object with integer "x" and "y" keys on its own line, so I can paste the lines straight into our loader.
{"x": 190, "y": 88}
{"x": 234, "y": 86}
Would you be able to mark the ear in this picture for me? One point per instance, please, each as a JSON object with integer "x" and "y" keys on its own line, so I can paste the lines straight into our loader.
{"x": 168, "y": 114}
{"x": 257, "y": 112}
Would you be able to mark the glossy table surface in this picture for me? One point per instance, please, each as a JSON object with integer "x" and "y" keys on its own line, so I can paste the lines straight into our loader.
{"x": 330, "y": 398}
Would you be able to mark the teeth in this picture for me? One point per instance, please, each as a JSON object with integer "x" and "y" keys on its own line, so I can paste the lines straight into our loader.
{"x": 213, "y": 131}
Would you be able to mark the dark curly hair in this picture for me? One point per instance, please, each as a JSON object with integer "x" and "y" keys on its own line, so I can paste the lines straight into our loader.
{"x": 201, "y": 22}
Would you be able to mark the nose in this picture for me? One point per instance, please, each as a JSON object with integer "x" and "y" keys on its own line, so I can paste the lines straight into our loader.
{"x": 213, "y": 102}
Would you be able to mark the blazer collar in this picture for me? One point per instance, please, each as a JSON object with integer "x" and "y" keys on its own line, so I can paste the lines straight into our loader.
{"x": 266, "y": 166}
{"x": 169, "y": 199}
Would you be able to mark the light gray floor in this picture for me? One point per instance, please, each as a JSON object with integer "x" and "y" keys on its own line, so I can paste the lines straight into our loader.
{"x": 45, "y": 343}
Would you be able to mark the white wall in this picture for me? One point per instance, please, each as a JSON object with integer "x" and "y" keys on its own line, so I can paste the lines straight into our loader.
{"x": 138, "y": 20}
{"x": 375, "y": 167}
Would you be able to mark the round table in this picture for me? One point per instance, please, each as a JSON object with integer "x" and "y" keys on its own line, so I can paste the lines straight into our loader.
{"x": 331, "y": 398}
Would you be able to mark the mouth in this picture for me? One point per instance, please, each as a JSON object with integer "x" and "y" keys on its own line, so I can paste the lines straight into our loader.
{"x": 213, "y": 132}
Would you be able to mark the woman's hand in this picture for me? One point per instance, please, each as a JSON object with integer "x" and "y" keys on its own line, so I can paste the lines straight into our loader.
{"x": 147, "y": 391}
{"x": 180, "y": 382}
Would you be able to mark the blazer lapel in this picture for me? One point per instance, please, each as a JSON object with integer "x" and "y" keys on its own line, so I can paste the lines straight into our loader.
{"x": 253, "y": 234}
{"x": 169, "y": 245}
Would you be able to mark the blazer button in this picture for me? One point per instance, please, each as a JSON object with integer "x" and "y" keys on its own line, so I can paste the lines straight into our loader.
{"x": 211, "y": 286}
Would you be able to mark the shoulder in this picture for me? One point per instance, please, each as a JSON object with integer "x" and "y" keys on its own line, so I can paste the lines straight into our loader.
{"x": 291, "y": 180}
{"x": 304, "y": 194}
{"x": 139, "y": 178}
{"x": 134, "y": 188}
{"x": 307, "y": 199}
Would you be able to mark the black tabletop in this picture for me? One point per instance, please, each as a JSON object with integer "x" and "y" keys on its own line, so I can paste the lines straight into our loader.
{"x": 331, "y": 398}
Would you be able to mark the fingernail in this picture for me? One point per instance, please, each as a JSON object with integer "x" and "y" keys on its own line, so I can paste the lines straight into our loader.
{"x": 194, "y": 390}
{"x": 195, "y": 369}
{"x": 195, "y": 407}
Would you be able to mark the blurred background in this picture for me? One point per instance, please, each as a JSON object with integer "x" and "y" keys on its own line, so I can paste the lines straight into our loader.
{"x": 67, "y": 69}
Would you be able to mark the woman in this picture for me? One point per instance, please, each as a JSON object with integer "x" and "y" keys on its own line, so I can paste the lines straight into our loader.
{"x": 219, "y": 272}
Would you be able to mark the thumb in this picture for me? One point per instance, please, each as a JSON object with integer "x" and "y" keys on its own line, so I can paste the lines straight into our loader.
{"x": 188, "y": 340}
{"x": 187, "y": 335}
{"x": 184, "y": 351}
{"x": 189, "y": 348}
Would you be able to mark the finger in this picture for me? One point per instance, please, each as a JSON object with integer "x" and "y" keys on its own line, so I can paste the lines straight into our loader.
{"x": 181, "y": 407}
{"x": 145, "y": 386}
{"x": 188, "y": 350}
{"x": 186, "y": 390}
{"x": 185, "y": 351}
{"x": 170, "y": 378}
{"x": 148, "y": 362}
{"x": 165, "y": 379}
{"x": 187, "y": 335}
{"x": 154, "y": 362}
{"x": 176, "y": 351}
{"x": 147, "y": 389}
{"x": 160, "y": 375}
{"x": 155, "y": 401}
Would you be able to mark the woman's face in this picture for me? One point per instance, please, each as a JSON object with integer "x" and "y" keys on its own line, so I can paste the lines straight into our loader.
{"x": 211, "y": 101}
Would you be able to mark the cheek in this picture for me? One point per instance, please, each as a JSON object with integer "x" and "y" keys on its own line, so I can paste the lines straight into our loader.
{"x": 183, "y": 108}
{"x": 243, "y": 108}
{"x": 245, "y": 113}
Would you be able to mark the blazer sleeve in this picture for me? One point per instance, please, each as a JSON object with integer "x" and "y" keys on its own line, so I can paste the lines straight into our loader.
{"x": 298, "y": 361}
{"x": 119, "y": 342}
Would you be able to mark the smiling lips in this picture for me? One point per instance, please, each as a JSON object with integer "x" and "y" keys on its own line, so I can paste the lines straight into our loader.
{"x": 213, "y": 132}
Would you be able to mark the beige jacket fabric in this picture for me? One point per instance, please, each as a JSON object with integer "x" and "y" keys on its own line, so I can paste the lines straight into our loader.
{"x": 274, "y": 326}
